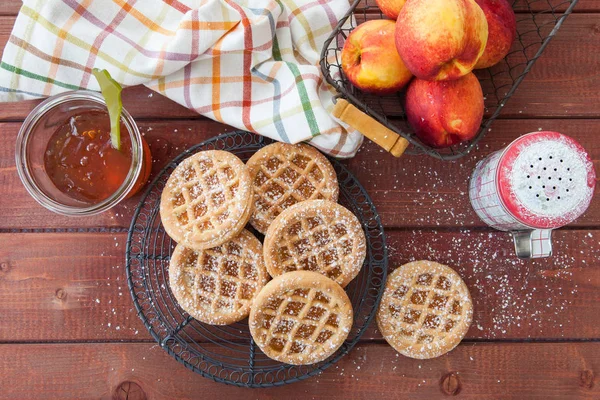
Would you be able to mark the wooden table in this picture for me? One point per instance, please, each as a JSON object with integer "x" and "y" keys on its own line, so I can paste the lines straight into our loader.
{"x": 68, "y": 328}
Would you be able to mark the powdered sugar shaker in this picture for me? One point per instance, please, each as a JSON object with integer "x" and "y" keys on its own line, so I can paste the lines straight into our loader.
{"x": 539, "y": 182}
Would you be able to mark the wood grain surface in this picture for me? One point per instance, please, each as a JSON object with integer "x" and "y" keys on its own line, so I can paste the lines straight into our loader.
{"x": 372, "y": 371}
{"x": 72, "y": 286}
{"x": 413, "y": 191}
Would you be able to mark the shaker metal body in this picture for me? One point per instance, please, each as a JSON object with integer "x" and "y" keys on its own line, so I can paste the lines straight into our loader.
{"x": 539, "y": 182}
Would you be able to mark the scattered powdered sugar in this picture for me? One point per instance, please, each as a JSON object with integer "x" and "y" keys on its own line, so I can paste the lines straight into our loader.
{"x": 512, "y": 297}
{"x": 116, "y": 316}
{"x": 416, "y": 191}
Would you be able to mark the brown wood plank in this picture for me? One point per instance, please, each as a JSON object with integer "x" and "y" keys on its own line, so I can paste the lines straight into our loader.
{"x": 10, "y": 7}
{"x": 69, "y": 286}
{"x": 167, "y": 140}
{"x": 408, "y": 192}
{"x": 72, "y": 286}
{"x": 140, "y": 101}
{"x": 552, "y": 87}
{"x": 555, "y": 87}
{"x": 423, "y": 191}
{"x": 371, "y": 371}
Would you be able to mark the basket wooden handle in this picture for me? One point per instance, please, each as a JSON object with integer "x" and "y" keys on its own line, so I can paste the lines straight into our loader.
{"x": 372, "y": 129}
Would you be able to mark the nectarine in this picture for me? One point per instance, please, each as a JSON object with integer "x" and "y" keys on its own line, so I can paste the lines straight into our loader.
{"x": 502, "y": 30}
{"x": 443, "y": 113}
{"x": 391, "y": 8}
{"x": 441, "y": 39}
{"x": 370, "y": 60}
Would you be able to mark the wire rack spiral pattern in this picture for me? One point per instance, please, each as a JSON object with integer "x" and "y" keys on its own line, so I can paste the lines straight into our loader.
{"x": 227, "y": 353}
{"x": 537, "y": 22}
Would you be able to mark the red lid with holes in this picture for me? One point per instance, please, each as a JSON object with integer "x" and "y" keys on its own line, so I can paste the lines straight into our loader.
{"x": 546, "y": 179}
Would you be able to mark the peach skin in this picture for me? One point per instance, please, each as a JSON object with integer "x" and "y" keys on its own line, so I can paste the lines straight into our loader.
{"x": 441, "y": 39}
{"x": 391, "y": 8}
{"x": 370, "y": 60}
{"x": 444, "y": 113}
{"x": 502, "y": 28}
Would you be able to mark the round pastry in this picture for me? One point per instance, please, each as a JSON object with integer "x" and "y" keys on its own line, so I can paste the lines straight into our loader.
{"x": 316, "y": 235}
{"x": 300, "y": 318}
{"x": 216, "y": 286}
{"x": 207, "y": 199}
{"x": 425, "y": 311}
{"x": 285, "y": 174}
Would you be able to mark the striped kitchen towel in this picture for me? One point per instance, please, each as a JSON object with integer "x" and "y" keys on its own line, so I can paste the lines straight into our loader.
{"x": 252, "y": 64}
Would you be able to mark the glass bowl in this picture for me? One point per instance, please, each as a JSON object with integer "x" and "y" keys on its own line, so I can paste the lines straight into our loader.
{"x": 32, "y": 141}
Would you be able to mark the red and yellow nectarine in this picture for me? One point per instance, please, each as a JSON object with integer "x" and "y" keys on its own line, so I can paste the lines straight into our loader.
{"x": 370, "y": 60}
{"x": 391, "y": 8}
{"x": 441, "y": 39}
{"x": 443, "y": 113}
{"x": 502, "y": 30}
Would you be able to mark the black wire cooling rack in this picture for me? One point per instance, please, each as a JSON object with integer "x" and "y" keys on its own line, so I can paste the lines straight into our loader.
{"x": 228, "y": 354}
{"x": 537, "y": 22}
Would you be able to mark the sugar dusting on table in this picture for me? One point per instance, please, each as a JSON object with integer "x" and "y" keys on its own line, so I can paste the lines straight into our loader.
{"x": 520, "y": 298}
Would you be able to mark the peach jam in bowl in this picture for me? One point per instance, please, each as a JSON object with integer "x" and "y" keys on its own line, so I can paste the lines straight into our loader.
{"x": 66, "y": 161}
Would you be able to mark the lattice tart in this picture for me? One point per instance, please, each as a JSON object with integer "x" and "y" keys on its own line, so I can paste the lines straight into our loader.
{"x": 207, "y": 199}
{"x": 300, "y": 318}
{"x": 319, "y": 236}
{"x": 217, "y": 285}
{"x": 285, "y": 174}
{"x": 425, "y": 311}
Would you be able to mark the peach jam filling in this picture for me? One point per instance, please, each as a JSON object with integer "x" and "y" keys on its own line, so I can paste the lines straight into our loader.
{"x": 82, "y": 163}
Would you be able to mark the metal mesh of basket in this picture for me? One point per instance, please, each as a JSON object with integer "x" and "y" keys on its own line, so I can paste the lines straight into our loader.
{"x": 537, "y": 22}
{"x": 227, "y": 353}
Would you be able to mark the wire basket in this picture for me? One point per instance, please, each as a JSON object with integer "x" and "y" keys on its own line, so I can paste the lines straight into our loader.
{"x": 537, "y": 22}
{"x": 227, "y": 353}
